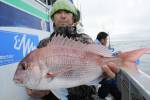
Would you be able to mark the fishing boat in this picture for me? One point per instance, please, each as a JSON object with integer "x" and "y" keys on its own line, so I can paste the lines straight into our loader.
{"x": 23, "y": 23}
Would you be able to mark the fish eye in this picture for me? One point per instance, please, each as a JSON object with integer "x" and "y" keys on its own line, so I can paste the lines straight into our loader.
{"x": 24, "y": 65}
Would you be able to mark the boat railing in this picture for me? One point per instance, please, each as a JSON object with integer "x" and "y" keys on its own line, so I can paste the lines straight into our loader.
{"x": 134, "y": 86}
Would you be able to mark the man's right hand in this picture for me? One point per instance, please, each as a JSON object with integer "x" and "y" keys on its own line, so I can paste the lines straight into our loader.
{"x": 37, "y": 93}
{"x": 110, "y": 69}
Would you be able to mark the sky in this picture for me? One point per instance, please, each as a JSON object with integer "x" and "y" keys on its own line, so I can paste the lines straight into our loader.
{"x": 118, "y": 17}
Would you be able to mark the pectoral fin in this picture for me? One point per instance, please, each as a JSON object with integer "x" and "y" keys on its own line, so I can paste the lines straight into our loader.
{"x": 62, "y": 70}
{"x": 50, "y": 75}
{"x": 96, "y": 81}
{"x": 61, "y": 93}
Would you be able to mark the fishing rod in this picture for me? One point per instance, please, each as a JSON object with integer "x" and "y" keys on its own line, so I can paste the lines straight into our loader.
{"x": 109, "y": 45}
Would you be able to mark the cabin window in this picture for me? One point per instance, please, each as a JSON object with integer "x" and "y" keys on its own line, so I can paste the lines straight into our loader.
{"x": 48, "y": 2}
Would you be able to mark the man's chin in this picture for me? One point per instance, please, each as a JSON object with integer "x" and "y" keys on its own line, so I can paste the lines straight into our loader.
{"x": 63, "y": 25}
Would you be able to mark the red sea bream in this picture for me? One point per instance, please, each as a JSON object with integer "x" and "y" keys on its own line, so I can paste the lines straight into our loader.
{"x": 66, "y": 63}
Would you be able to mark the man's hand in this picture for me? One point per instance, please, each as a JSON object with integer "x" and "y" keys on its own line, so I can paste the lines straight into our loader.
{"x": 110, "y": 69}
{"x": 37, "y": 93}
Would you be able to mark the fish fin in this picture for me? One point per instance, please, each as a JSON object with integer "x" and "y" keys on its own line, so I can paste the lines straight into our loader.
{"x": 60, "y": 40}
{"x": 99, "y": 50}
{"x": 65, "y": 69}
{"x": 95, "y": 82}
{"x": 60, "y": 93}
{"x": 50, "y": 75}
{"x": 129, "y": 58}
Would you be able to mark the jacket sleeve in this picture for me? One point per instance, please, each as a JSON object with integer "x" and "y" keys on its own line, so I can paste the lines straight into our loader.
{"x": 82, "y": 92}
{"x": 85, "y": 38}
{"x": 43, "y": 43}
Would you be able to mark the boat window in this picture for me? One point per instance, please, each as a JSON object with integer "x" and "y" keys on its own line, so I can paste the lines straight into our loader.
{"x": 48, "y": 2}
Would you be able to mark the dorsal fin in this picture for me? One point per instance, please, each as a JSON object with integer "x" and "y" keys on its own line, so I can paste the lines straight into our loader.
{"x": 60, "y": 40}
{"x": 99, "y": 49}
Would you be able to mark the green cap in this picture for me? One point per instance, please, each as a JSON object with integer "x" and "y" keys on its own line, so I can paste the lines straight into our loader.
{"x": 64, "y": 5}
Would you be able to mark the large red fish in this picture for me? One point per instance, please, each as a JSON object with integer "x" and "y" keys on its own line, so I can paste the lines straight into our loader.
{"x": 66, "y": 63}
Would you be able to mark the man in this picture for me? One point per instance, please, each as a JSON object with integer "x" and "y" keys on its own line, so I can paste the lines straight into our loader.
{"x": 108, "y": 86}
{"x": 102, "y": 38}
{"x": 64, "y": 16}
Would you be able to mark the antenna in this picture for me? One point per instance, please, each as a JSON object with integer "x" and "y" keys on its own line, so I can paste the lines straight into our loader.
{"x": 109, "y": 45}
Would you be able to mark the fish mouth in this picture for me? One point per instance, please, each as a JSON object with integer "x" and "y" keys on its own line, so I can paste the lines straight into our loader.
{"x": 19, "y": 82}
{"x": 21, "y": 85}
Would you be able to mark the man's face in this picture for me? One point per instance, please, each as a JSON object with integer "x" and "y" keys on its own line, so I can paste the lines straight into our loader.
{"x": 104, "y": 41}
{"x": 63, "y": 18}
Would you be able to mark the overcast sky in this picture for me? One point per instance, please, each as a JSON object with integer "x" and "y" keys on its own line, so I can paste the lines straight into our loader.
{"x": 118, "y": 17}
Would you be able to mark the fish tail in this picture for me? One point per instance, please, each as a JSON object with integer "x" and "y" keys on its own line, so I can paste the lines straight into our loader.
{"x": 129, "y": 58}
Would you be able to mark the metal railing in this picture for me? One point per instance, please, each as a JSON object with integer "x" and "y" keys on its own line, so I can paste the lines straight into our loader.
{"x": 134, "y": 86}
